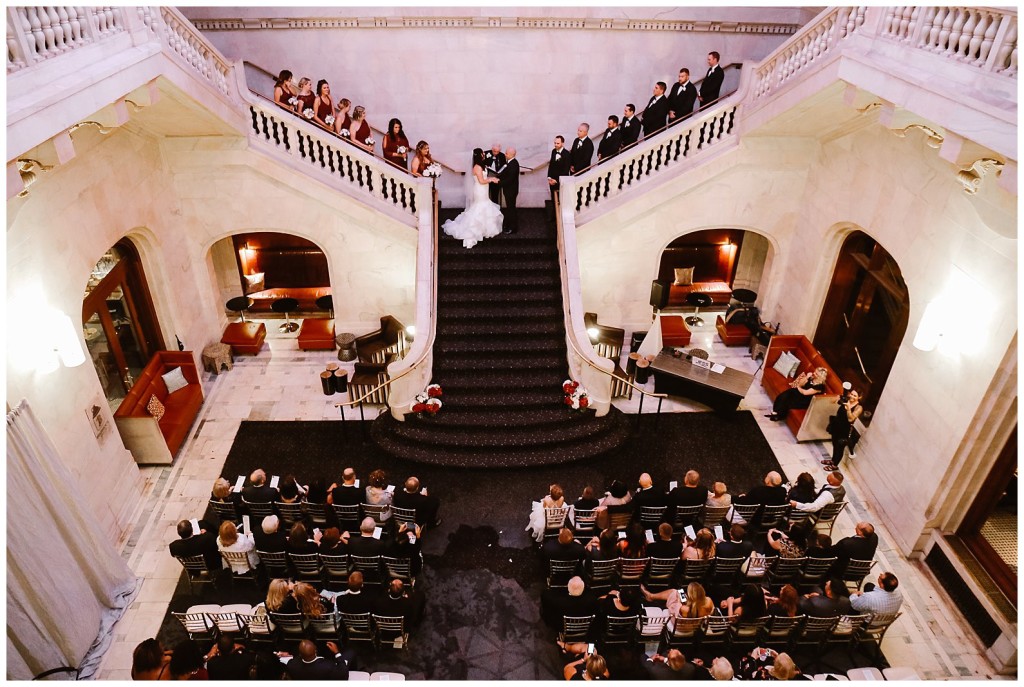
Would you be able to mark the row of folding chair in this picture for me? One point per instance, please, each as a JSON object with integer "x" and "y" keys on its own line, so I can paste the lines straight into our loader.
{"x": 612, "y": 630}
{"x": 346, "y": 517}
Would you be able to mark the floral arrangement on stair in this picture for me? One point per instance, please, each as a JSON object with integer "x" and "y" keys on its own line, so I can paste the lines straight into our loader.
{"x": 575, "y": 395}
{"x": 428, "y": 402}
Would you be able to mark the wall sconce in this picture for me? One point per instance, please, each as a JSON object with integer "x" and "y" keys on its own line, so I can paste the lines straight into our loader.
{"x": 942, "y": 325}
{"x": 410, "y": 333}
{"x": 593, "y": 333}
{"x": 62, "y": 343}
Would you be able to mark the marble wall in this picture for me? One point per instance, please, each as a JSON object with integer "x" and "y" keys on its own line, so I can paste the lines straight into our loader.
{"x": 804, "y": 198}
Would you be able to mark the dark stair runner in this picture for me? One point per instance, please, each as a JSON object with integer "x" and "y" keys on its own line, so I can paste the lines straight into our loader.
{"x": 500, "y": 358}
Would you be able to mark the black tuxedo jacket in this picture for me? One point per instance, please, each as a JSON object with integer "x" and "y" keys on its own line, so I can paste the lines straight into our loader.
{"x": 234, "y": 666}
{"x": 682, "y": 98}
{"x": 660, "y": 548}
{"x": 610, "y": 143}
{"x": 731, "y": 549}
{"x": 558, "y": 167}
{"x": 366, "y": 546}
{"x": 359, "y": 602}
{"x": 493, "y": 162}
{"x": 510, "y": 180}
{"x": 199, "y": 544}
{"x": 271, "y": 543}
{"x": 581, "y": 155}
{"x": 711, "y": 85}
{"x": 655, "y": 115}
{"x": 861, "y": 548}
{"x": 765, "y": 495}
{"x": 630, "y": 129}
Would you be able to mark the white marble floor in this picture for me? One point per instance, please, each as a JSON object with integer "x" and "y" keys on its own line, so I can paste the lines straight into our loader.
{"x": 282, "y": 383}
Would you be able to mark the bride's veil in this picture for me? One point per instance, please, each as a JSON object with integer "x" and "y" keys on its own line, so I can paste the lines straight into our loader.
{"x": 468, "y": 184}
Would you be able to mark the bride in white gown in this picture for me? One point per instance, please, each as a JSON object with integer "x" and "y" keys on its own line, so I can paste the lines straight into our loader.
{"x": 482, "y": 219}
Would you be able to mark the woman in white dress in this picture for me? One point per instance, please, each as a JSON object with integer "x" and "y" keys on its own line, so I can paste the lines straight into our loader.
{"x": 482, "y": 219}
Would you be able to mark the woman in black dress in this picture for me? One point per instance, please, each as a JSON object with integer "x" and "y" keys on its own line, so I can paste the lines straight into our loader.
{"x": 839, "y": 427}
{"x": 799, "y": 394}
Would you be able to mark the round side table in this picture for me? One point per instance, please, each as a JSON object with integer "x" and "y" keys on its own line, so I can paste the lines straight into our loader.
{"x": 346, "y": 346}
{"x": 239, "y": 304}
{"x": 285, "y": 306}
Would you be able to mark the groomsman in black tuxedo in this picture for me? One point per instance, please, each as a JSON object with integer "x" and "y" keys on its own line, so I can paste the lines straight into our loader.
{"x": 630, "y": 126}
{"x": 509, "y": 176}
{"x": 611, "y": 141}
{"x": 682, "y": 97}
{"x": 655, "y": 114}
{"x": 582, "y": 153}
{"x": 712, "y": 83}
{"x": 494, "y": 160}
{"x": 558, "y": 166}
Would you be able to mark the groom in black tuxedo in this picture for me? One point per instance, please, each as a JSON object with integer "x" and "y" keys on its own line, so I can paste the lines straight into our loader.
{"x": 655, "y": 114}
{"x": 582, "y": 152}
{"x": 494, "y": 160}
{"x": 509, "y": 176}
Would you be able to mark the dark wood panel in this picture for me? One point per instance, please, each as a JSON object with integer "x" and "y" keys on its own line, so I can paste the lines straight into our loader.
{"x": 287, "y": 261}
{"x": 712, "y": 253}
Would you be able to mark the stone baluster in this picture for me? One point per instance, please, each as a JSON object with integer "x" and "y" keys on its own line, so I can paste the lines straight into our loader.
{"x": 947, "y": 24}
{"x": 64, "y": 23}
{"x": 856, "y": 19}
{"x": 985, "y": 49}
{"x": 966, "y": 34}
{"x": 47, "y": 18}
{"x": 977, "y": 37}
{"x": 889, "y": 21}
{"x": 935, "y": 33}
{"x": 955, "y": 32}
{"x": 37, "y": 33}
{"x": 20, "y": 43}
{"x": 1006, "y": 57}
{"x": 905, "y": 14}
{"x": 925, "y": 27}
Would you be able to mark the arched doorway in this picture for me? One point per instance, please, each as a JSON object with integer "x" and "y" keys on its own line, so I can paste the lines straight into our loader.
{"x": 722, "y": 260}
{"x": 119, "y": 321}
{"x": 864, "y": 317}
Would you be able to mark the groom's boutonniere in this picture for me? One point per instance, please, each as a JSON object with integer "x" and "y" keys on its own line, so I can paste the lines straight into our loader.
{"x": 626, "y": 123}
{"x": 558, "y": 156}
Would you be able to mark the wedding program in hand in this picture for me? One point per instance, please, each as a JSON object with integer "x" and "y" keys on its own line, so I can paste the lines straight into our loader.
{"x": 482, "y": 218}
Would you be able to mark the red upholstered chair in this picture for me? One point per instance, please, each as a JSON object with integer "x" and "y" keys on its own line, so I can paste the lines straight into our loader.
{"x": 316, "y": 334}
{"x": 245, "y": 337}
{"x": 674, "y": 331}
{"x": 732, "y": 333}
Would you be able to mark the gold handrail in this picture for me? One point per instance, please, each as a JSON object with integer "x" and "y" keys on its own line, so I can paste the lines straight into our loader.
{"x": 572, "y": 341}
{"x": 426, "y": 352}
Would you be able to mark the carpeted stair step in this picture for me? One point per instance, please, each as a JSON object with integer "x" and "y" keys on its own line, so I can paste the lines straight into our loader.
{"x": 502, "y": 327}
{"x": 452, "y": 380}
{"x": 544, "y": 396}
{"x": 507, "y": 279}
{"x": 469, "y": 264}
{"x": 497, "y": 300}
{"x": 465, "y": 312}
{"x": 498, "y": 362}
{"x": 423, "y": 430}
{"x": 498, "y": 417}
{"x": 507, "y": 347}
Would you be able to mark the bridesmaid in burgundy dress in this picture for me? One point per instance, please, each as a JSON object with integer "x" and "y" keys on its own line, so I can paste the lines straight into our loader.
{"x": 395, "y": 145}
{"x": 305, "y": 98}
{"x": 421, "y": 160}
{"x": 342, "y": 122}
{"x": 283, "y": 90}
{"x": 323, "y": 106}
{"x": 360, "y": 129}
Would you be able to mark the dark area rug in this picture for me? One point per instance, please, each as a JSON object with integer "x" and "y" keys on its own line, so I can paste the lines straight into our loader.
{"x": 482, "y": 577}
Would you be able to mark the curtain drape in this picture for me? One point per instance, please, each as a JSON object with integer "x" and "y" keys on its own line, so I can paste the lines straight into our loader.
{"x": 66, "y": 583}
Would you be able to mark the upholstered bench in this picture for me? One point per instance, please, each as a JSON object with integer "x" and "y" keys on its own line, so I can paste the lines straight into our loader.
{"x": 316, "y": 334}
{"x": 245, "y": 337}
{"x": 733, "y": 333}
{"x": 674, "y": 331}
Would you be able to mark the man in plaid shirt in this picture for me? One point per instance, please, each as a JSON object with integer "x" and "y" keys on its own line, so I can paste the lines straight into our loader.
{"x": 885, "y": 598}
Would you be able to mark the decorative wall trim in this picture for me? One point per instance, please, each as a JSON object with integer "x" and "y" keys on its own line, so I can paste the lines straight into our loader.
{"x": 703, "y": 26}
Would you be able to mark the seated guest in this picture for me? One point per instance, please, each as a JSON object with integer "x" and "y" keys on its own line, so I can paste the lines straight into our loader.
{"x": 834, "y": 601}
{"x": 415, "y": 497}
{"x": 268, "y": 666}
{"x": 885, "y": 598}
{"x": 555, "y": 498}
{"x": 289, "y": 490}
{"x": 300, "y": 542}
{"x": 786, "y": 545}
{"x": 759, "y": 664}
{"x": 719, "y": 496}
{"x": 575, "y": 600}
{"x": 647, "y": 496}
{"x": 332, "y": 543}
{"x": 770, "y": 493}
{"x": 665, "y": 546}
{"x": 635, "y": 543}
{"x": 399, "y": 601}
{"x": 187, "y": 662}
{"x": 689, "y": 493}
{"x": 721, "y": 669}
{"x": 590, "y": 667}
{"x": 861, "y": 546}
{"x": 222, "y": 492}
{"x": 799, "y": 393}
{"x": 307, "y": 665}
{"x": 785, "y": 604}
{"x": 231, "y": 540}
{"x": 346, "y": 493}
{"x": 735, "y": 545}
{"x": 284, "y": 92}
{"x": 309, "y": 600}
{"x": 316, "y": 492}
{"x": 803, "y": 491}
{"x": 785, "y": 669}
{"x": 749, "y": 607}
{"x": 149, "y": 660}
{"x": 365, "y": 544}
{"x": 621, "y": 603}
{"x": 617, "y": 495}
{"x": 268, "y": 536}
{"x": 202, "y": 543}
{"x": 674, "y": 666}
{"x": 407, "y": 543}
{"x": 355, "y": 599}
{"x": 563, "y": 548}
{"x": 258, "y": 491}
{"x": 281, "y": 597}
{"x": 377, "y": 493}
{"x": 587, "y": 500}
{"x": 395, "y": 145}
{"x": 230, "y": 660}
{"x": 702, "y": 548}
{"x": 697, "y": 605}
{"x": 833, "y": 491}
{"x": 819, "y": 545}
{"x": 604, "y": 547}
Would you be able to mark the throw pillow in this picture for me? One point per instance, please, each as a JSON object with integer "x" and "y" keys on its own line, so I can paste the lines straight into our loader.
{"x": 783, "y": 365}
{"x": 175, "y": 380}
{"x": 155, "y": 407}
{"x": 254, "y": 282}
{"x": 795, "y": 364}
{"x": 684, "y": 276}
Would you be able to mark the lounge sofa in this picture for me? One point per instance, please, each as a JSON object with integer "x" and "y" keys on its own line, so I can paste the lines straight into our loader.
{"x": 806, "y": 424}
{"x": 155, "y": 442}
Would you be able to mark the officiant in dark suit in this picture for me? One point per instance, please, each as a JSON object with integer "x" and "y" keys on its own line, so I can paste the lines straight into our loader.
{"x": 655, "y": 114}
{"x": 582, "y": 153}
{"x": 494, "y": 160}
{"x": 682, "y": 97}
{"x": 509, "y": 176}
{"x": 611, "y": 142}
{"x": 711, "y": 86}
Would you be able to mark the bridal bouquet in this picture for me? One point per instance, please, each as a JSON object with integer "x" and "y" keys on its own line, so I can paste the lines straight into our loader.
{"x": 429, "y": 401}
{"x": 329, "y": 120}
{"x": 575, "y": 395}
{"x": 432, "y": 170}
{"x": 308, "y": 113}
{"x": 293, "y": 101}
{"x": 345, "y": 133}
{"x": 369, "y": 141}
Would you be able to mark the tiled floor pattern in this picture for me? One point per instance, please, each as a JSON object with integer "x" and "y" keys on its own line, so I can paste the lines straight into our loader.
{"x": 1000, "y": 530}
{"x": 282, "y": 383}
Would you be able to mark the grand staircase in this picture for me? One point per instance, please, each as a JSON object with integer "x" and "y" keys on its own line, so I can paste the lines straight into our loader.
{"x": 500, "y": 358}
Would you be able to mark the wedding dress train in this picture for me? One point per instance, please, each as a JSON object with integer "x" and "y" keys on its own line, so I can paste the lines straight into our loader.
{"x": 481, "y": 220}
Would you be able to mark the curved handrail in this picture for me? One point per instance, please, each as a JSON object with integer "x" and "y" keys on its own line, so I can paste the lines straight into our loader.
{"x": 428, "y": 348}
{"x": 572, "y": 339}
